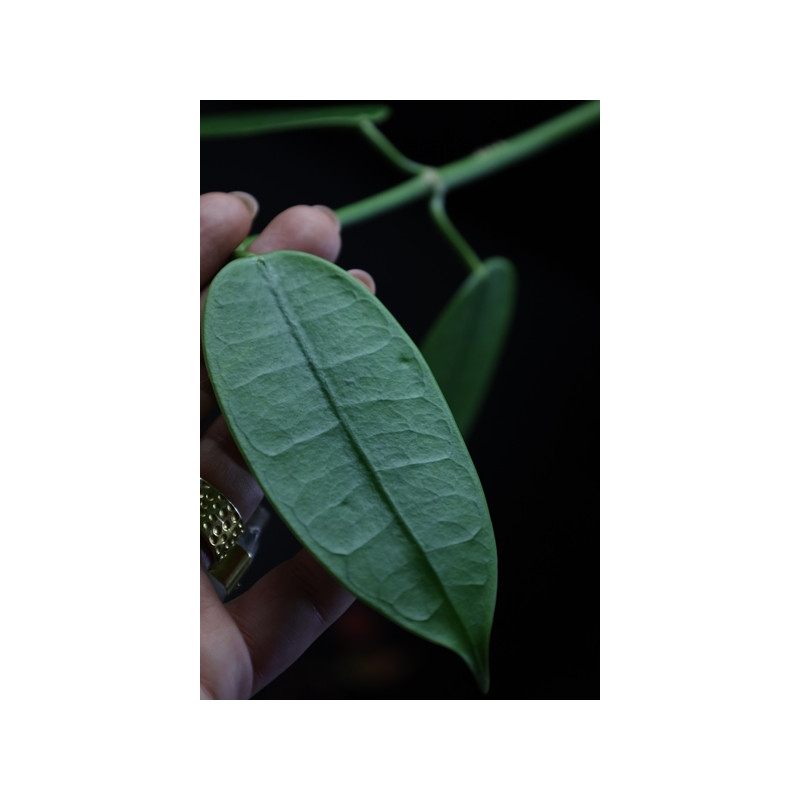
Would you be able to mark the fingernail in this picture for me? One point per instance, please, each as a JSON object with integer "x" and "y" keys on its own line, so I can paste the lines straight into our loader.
{"x": 249, "y": 201}
{"x": 331, "y": 213}
{"x": 364, "y": 277}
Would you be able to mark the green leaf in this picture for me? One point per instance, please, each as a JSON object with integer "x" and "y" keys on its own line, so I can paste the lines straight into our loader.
{"x": 466, "y": 341}
{"x": 341, "y": 421}
{"x": 249, "y": 123}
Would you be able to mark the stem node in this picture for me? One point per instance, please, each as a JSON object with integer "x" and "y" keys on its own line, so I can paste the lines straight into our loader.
{"x": 432, "y": 178}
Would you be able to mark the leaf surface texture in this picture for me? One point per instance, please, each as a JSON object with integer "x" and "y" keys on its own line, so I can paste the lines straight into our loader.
{"x": 342, "y": 423}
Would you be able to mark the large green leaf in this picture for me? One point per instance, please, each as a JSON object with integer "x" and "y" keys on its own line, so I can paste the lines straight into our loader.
{"x": 342, "y": 423}
{"x": 466, "y": 341}
{"x": 249, "y": 123}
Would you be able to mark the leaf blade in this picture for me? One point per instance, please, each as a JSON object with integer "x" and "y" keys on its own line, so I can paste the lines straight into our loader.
{"x": 343, "y": 425}
{"x": 465, "y": 342}
{"x": 251, "y": 123}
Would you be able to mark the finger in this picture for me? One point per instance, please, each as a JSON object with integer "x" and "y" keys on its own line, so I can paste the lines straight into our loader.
{"x": 225, "y": 220}
{"x": 285, "y": 612}
{"x": 225, "y": 669}
{"x": 364, "y": 277}
{"x": 222, "y": 465}
{"x": 310, "y": 229}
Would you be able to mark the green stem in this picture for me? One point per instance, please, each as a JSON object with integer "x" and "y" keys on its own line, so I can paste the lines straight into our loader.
{"x": 376, "y": 137}
{"x": 478, "y": 165}
{"x": 459, "y": 243}
{"x": 401, "y": 195}
{"x": 242, "y": 250}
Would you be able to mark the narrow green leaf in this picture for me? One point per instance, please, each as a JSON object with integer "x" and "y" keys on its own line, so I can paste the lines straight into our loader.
{"x": 466, "y": 341}
{"x": 341, "y": 421}
{"x": 249, "y": 123}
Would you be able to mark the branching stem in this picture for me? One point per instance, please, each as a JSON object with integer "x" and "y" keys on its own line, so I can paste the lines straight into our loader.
{"x": 466, "y": 170}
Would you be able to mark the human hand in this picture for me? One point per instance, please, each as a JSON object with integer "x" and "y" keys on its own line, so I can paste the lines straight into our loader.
{"x": 247, "y": 642}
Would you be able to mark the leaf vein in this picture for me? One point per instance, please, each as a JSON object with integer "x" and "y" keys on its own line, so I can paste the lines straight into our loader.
{"x": 295, "y": 328}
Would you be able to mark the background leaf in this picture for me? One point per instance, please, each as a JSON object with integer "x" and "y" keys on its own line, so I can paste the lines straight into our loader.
{"x": 342, "y": 423}
{"x": 250, "y": 123}
{"x": 466, "y": 341}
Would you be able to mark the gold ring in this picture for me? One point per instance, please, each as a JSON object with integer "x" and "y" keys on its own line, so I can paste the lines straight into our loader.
{"x": 221, "y": 537}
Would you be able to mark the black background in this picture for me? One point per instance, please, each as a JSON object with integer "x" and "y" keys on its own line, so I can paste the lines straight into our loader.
{"x": 536, "y": 443}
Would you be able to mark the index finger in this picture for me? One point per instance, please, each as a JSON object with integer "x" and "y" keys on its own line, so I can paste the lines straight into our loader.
{"x": 225, "y": 220}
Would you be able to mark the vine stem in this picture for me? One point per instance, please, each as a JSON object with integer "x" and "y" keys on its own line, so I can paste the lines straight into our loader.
{"x": 484, "y": 162}
{"x": 376, "y": 138}
{"x": 458, "y": 242}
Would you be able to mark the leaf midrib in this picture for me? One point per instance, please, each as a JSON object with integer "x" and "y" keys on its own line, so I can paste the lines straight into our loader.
{"x": 296, "y": 330}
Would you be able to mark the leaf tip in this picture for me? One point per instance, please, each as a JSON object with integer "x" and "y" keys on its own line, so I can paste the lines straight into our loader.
{"x": 479, "y": 666}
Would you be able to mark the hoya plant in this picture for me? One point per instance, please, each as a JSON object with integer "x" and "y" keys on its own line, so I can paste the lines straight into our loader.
{"x": 356, "y": 430}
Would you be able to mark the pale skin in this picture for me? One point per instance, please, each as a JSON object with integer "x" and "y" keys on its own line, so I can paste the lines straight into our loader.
{"x": 246, "y": 643}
